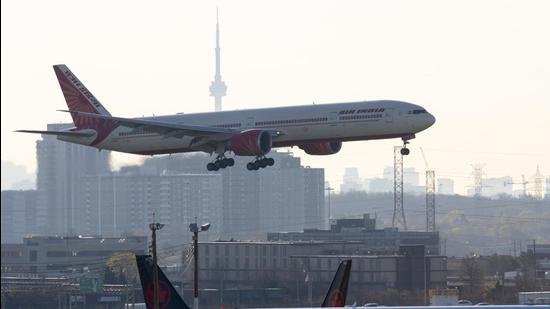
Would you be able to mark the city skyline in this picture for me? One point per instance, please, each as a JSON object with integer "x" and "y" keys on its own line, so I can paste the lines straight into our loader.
{"x": 479, "y": 115}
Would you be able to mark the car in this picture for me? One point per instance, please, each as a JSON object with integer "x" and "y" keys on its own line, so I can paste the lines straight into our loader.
{"x": 464, "y": 302}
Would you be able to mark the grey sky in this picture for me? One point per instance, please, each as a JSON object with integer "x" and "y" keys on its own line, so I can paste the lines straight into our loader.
{"x": 481, "y": 67}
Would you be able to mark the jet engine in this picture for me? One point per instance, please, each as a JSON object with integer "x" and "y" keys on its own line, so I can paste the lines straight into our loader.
{"x": 251, "y": 143}
{"x": 321, "y": 149}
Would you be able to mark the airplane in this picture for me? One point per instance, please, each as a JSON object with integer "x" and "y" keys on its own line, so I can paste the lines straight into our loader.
{"x": 463, "y": 307}
{"x": 318, "y": 129}
{"x": 170, "y": 299}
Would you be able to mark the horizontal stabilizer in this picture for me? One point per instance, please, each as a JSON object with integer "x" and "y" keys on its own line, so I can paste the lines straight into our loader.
{"x": 61, "y": 133}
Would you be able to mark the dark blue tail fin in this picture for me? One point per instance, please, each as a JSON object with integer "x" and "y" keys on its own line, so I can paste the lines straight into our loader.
{"x": 168, "y": 296}
{"x": 336, "y": 295}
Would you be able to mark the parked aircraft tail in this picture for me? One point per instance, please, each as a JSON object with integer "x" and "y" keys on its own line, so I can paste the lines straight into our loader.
{"x": 336, "y": 295}
{"x": 168, "y": 296}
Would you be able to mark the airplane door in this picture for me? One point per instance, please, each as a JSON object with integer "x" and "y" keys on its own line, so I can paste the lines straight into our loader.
{"x": 250, "y": 123}
{"x": 333, "y": 118}
{"x": 388, "y": 115}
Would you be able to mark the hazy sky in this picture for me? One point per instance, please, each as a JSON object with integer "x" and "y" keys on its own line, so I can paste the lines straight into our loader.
{"x": 481, "y": 67}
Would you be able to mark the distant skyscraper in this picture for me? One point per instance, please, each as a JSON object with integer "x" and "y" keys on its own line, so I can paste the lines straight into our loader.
{"x": 18, "y": 215}
{"x": 351, "y": 181}
{"x": 218, "y": 88}
{"x": 445, "y": 186}
{"x": 60, "y": 168}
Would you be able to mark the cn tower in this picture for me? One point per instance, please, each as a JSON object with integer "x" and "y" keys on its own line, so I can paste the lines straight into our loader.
{"x": 218, "y": 88}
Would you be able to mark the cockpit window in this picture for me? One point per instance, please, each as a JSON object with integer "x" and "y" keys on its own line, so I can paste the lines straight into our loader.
{"x": 417, "y": 111}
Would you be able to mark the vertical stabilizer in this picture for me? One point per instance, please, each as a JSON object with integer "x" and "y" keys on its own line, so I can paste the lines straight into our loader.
{"x": 168, "y": 296}
{"x": 336, "y": 295}
{"x": 79, "y": 98}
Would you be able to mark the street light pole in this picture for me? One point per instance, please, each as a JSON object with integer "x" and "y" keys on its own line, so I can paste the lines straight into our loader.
{"x": 195, "y": 229}
{"x": 154, "y": 227}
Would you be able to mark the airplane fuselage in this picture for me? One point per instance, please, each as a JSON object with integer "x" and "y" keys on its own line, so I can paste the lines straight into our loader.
{"x": 342, "y": 122}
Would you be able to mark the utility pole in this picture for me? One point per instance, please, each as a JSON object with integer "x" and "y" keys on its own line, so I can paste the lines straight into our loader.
{"x": 535, "y": 263}
{"x": 154, "y": 228}
{"x": 195, "y": 229}
{"x": 329, "y": 189}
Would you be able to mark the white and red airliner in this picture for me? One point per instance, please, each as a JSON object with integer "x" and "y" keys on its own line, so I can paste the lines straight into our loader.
{"x": 318, "y": 129}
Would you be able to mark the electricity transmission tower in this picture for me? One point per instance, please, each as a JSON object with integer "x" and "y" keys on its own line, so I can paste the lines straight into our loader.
{"x": 398, "y": 211}
{"x": 430, "y": 195}
{"x": 478, "y": 179}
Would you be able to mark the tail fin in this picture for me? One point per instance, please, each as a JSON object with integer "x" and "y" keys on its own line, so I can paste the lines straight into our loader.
{"x": 79, "y": 99}
{"x": 336, "y": 295}
{"x": 168, "y": 296}
{"x": 77, "y": 96}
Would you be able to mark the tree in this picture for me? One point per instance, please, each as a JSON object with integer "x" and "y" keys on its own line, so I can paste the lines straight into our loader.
{"x": 121, "y": 268}
{"x": 471, "y": 273}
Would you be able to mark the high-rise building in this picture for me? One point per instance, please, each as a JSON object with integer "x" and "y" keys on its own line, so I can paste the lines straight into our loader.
{"x": 351, "y": 181}
{"x": 315, "y": 210}
{"x": 445, "y": 186}
{"x": 18, "y": 214}
{"x": 60, "y": 168}
{"x": 283, "y": 197}
{"x": 124, "y": 204}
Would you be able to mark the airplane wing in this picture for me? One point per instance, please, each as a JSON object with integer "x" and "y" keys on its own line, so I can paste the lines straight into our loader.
{"x": 168, "y": 129}
{"x": 83, "y": 133}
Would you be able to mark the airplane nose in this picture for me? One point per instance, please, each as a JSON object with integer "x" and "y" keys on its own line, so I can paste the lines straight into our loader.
{"x": 431, "y": 120}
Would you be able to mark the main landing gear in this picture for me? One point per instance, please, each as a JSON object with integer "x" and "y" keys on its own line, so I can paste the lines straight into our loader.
{"x": 221, "y": 162}
{"x": 260, "y": 162}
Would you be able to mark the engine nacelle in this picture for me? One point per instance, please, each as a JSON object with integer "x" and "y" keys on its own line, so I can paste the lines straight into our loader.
{"x": 321, "y": 149}
{"x": 251, "y": 143}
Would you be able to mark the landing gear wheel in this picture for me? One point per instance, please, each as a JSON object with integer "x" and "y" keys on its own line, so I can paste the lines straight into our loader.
{"x": 210, "y": 167}
{"x": 405, "y": 151}
{"x": 230, "y": 162}
{"x": 222, "y": 163}
{"x": 270, "y": 161}
{"x": 262, "y": 163}
{"x": 250, "y": 166}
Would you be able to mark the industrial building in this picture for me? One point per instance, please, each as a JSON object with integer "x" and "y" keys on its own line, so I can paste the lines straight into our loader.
{"x": 244, "y": 265}
{"x": 379, "y": 241}
{"x": 55, "y": 256}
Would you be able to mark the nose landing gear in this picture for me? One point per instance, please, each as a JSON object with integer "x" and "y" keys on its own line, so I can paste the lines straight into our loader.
{"x": 405, "y": 151}
{"x": 260, "y": 162}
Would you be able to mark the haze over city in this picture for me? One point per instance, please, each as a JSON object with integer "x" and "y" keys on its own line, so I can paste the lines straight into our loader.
{"x": 485, "y": 80}
{"x": 418, "y": 172}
